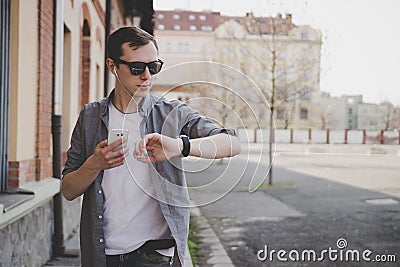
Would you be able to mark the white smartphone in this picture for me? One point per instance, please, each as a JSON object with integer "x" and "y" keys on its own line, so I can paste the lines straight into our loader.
{"x": 116, "y": 134}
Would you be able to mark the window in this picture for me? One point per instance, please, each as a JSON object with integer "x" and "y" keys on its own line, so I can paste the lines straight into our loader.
{"x": 304, "y": 94}
{"x": 303, "y": 113}
{"x": 304, "y": 35}
{"x": 192, "y": 17}
{"x": 206, "y": 28}
{"x": 176, "y": 17}
{"x": 350, "y": 111}
{"x": 193, "y": 28}
{"x": 177, "y": 27}
{"x": 281, "y": 93}
{"x": 280, "y": 113}
{"x": 160, "y": 16}
{"x": 161, "y": 27}
{"x": 202, "y": 17}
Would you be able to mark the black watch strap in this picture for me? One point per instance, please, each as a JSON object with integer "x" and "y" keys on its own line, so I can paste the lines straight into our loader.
{"x": 186, "y": 145}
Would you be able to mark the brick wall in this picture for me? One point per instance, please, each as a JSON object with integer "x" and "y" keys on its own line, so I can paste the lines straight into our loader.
{"x": 45, "y": 86}
{"x": 85, "y": 69}
{"x": 20, "y": 172}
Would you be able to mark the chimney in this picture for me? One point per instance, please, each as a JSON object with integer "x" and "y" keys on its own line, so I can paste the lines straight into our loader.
{"x": 249, "y": 14}
{"x": 289, "y": 18}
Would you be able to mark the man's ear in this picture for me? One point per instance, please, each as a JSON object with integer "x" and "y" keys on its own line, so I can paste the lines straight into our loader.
{"x": 111, "y": 66}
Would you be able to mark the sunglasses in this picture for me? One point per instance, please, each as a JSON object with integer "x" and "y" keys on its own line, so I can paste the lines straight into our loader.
{"x": 138, "y": 68}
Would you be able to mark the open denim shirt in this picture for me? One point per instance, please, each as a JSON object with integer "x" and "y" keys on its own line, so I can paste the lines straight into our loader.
{"x": 170, "y": 118}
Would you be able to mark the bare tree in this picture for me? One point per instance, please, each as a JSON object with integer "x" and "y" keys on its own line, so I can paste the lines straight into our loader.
{"x": 388, "y": 115}
{"x": 280, "y": 58}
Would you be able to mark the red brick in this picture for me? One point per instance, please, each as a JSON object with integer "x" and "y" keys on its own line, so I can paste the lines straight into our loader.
{"x": 13, "y": 173}
{"x": 13, "y": 183}
{"x": 29, "y": 178}
{"x": 13, "y": 164}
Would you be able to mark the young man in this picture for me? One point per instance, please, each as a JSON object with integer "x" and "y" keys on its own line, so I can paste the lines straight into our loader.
{"x": 135, "y": 205}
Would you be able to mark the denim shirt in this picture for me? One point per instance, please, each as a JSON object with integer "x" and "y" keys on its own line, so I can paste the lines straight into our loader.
{"x": 170, "y": 118}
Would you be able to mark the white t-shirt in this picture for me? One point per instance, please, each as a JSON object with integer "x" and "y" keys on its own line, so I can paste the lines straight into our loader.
{"x": 131, "y": 216}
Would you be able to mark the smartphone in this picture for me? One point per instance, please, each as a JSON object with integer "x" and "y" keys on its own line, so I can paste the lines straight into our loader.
{"x": 116, "y": 134}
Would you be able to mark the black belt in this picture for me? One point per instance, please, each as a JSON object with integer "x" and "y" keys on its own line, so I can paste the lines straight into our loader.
{"x": 151, "y": 245}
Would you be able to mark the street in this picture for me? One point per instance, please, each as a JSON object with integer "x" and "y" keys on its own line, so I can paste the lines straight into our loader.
{"x": 323, "y": 196}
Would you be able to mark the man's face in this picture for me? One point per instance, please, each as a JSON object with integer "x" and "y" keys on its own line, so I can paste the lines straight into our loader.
{"x": 137, "y": 85}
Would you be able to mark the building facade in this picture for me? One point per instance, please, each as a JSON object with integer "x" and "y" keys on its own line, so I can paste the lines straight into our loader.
{"x": 53, "y": 62}
{"x": 280, "y": 59}
{"x": 352, "y": 113}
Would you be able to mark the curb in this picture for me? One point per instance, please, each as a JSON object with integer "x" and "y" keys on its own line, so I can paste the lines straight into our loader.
{"x": 218, "y": 256}
{"x": 188, "y": 259}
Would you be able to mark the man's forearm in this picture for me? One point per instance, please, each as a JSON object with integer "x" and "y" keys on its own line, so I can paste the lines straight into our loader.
{"x": 104, "y": 157}
{"x": 215, "y": 146}
{"x": 75, "y": 183}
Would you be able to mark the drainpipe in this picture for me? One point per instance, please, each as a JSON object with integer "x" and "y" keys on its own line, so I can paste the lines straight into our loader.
{"x": 107, "y": 32}
{"x": 58, "y": 237}
{"x": 5, "y": 19}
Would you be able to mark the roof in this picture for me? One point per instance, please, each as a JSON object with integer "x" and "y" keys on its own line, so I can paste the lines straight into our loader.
{"x": 207, "y": 21}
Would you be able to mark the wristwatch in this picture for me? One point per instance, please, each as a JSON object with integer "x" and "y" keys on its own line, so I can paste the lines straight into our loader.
{"x": 186, "y": 145}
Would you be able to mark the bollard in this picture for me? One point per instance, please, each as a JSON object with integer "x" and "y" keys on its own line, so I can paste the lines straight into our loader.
{"x": 291, "y": 136}
{"x": 327, "y": 136}
{"x": 364, "y": 140}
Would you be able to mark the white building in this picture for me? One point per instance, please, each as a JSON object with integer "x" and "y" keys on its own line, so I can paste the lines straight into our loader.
{"x": 260, "y": 53}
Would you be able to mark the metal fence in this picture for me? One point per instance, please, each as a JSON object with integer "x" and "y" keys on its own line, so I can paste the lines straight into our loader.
{"x": 320, "y": 136}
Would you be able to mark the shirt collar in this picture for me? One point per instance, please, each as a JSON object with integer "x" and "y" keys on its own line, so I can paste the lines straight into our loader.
{"x": 145, "y": 105}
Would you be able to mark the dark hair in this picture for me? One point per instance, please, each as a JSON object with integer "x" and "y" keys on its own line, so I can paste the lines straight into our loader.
{"x": 133, "y": 35}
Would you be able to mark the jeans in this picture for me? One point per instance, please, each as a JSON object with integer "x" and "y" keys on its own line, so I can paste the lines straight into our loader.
{"x": 139, "y": 258}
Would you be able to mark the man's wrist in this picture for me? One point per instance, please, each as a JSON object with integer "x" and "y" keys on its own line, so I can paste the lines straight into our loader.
{"x": 90, "y": 165}
{"x": 180, "y": 146}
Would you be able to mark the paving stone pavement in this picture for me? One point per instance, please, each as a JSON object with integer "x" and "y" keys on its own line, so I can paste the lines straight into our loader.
{"x": 217, "y": 256}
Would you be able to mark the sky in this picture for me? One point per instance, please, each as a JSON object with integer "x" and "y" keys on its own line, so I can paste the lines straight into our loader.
{"x": 361, "y": 39}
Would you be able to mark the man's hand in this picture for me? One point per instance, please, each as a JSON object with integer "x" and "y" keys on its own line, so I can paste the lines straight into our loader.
{"x": 105, "y": 158}
{"x": 161, "y": 148}
{"x": 77, "y": 182}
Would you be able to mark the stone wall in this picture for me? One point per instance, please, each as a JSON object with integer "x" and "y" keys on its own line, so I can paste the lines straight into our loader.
{"x": 71, "y": 216}
{"x": 27, "y": 241}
